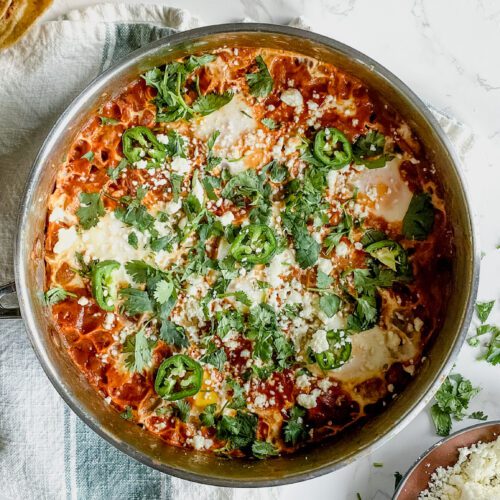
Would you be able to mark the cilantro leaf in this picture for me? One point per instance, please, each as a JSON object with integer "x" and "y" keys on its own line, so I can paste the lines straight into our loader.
{"x": 215, "y": 357}
{"x": 368, "y": 150}
{"x": 135, "y": 214}
{"x": 441, "y": 419}
{"x": 306, "y": 248}
{"x": 136, "y": 301}
{"x": 182, "y": 410}
{"x": 209, "y": 103}
{"x": 260, "y": 83}
{"x": 483, "y": 310}
{"x": 163, "y": 291}
{"x": 138, "y": 352}
{"x": 173, "y": 334}
{"x": 269, "y": 123}
{"x": 132, "y": 240}
{"x": 294, "y": 428}
{"x": 323, "y": 280}
{"x": 114, "y": 172}
{"x": 478, "y": 415}
{"x": 239, "y": 431}
{"x": 176, "y": 183}
{"x": 238, "y": 400}
{"x": 365, "y": 314}
{"x": 57, "y": 294}
{"x": 239, "y": 295}
{"x": 175, "y": 145}
{"x": 419, "y": 218}
{"x": 89, "y": 156}
{"x": 195, "y": 62}
{"x": 277, "y": 171}
{"x": 247, "y": 186}
{"x": 212, "y": 160}
{"x": 452, "y": 399}
{"x": 493, "y": 354}
{"x": 263, "y": 449}
{"x": 106, "y": 120}
{"x": 207, "y": 417}
{"x": 127, "y": 414}
{"x": 140, "y": 271}
{"x": 329, "y": 304}
{"x": 91, "y": 208}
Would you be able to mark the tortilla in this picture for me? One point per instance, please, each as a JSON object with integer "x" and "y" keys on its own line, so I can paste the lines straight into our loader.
{"x": 16, "y": 16}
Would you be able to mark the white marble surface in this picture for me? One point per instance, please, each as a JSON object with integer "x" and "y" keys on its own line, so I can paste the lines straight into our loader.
{"x": 447, "y": 52}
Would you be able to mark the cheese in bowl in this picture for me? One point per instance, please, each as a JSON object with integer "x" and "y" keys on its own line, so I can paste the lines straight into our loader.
{"x": 247, "y": 251}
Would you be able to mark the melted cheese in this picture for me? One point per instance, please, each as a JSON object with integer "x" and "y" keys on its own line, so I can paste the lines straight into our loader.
{"x": 108, "y": 239}
{"x": 232, "y": 121}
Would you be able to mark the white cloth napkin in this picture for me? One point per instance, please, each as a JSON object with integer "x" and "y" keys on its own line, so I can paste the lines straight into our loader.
{"x": 46, "y": 452}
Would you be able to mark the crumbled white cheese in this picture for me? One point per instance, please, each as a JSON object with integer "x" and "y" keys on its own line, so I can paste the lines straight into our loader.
{"x": 66, "y": 238}
{"x": 83, "y": 301}
{"x": 226, "y": 219}
{"x": 198, "y": 191}
{"x": 260, "y": 400}
{"x": 475, "y": 476}
{"x": 325, "y": 265}
{"x": 109, "y": 321}
{"x": 319, "y": 342}
{"x": 308, "y": 400}
{"x": 302, "y": 381}
{"x": 57, "y": 214}
{"x": 342, "y": 249}
{"x": 180, "y": 165}
{"x": 293, "y": 98}
{"x": 162, "y": 138}
{"x": 324, "y": 384}
{"x": 173, "y": 207}
{"x": 200, "y": 442}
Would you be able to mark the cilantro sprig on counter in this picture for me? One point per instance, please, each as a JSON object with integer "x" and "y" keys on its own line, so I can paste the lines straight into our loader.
{"x": 452, "y": 401}
{"x": 492, "y": 354}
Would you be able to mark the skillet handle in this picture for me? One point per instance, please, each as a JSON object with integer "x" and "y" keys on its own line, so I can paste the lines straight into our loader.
{"x": 9, "y": 307}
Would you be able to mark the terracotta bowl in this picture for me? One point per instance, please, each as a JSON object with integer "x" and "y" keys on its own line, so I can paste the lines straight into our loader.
{"x": 443, "y": 454}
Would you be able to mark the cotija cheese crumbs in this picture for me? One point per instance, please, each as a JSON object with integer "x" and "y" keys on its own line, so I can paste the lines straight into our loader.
{"x": 247, "y": 251}
{"x": 475, "y": 476}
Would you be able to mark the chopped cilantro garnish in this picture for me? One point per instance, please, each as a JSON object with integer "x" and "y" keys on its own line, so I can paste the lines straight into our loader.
{"x": 173, "y": 334}
{"x": 182, "y": 409}
{"x": 214, "y": 356}
{"x": 260, "y": 83}
{"x": 57, "y": 294}
{"x": 127, "y": 414}
{"x": 419, "y": 218}
{"x": 207, "y": 417}
{"x": 483, "y": 310}
{"x": 106, "y": 120}
{"x": 115, "y": 172}
{"x": 138, "y": 351}
{"x": 91, "y": 208}
{"x": 269, "y": 123}
{"x": 88, "y": 156}
{"x": 294, "y": 429}
{"x": 264, "y": 449}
